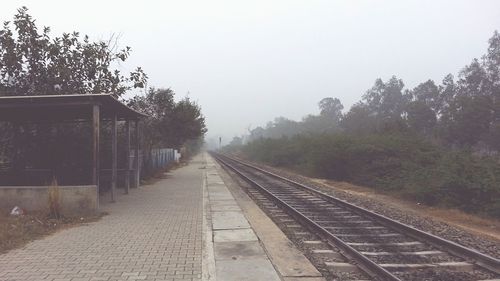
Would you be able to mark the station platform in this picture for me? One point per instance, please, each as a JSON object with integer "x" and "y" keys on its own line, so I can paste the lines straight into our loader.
{"x": 195, "y": 223}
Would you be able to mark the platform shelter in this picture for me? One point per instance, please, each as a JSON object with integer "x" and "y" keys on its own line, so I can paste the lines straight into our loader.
{"x": 92, "y": 108}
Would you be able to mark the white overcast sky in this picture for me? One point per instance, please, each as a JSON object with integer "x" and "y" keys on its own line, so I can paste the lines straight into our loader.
{"x": 247, "y": 62}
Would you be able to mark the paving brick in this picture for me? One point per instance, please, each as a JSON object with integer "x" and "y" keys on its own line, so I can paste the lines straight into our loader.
{"x": 154, "y": 233}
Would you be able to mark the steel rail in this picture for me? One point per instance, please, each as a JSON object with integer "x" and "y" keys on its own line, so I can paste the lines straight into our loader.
{"x": 482, "y": 260}
{"x": 367, "y": 265}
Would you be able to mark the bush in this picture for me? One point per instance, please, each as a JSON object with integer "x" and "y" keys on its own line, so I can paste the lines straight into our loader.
{"x": 402, "y": 164}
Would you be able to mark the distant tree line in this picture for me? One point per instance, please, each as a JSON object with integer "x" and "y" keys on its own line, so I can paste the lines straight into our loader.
{"x": 459, "y": 113}
{"x": 328, "y": 121}
{"x": 33, "y": 62}
{"x": 435, "y": 144}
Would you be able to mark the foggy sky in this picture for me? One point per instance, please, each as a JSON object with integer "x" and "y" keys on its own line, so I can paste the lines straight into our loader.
{"x": 247, "y": 62}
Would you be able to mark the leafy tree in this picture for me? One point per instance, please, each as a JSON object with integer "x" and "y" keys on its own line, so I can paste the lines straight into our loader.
{"x": 428, "y": 94}
{"x": 386, "y": 99}
{"x": 169, "y": 123}
{"x": 359, "y": 120}
{"x": 331, "y": 108}
{"x": 285, "y": 127}
{"x": 492, "y": 62}
{"x": 447, "y": 92}
{"x": 188, "y": 122}
{"x": 257, "y": 133}
{"x": 236, "y": 142}
{"x": 470, "y": 111}
{"x": 467, "y": 121}
{"x": 278, "y": 128}
{"x": 473, "y": 80}
{"x": 159, "y": 106}
{"x": 382, "y": 107}
{"x": 420, "y": 117}
{"x": 422, "y": 109}
{"x": 318, "y": 124}
{"x": 34, "y": 63}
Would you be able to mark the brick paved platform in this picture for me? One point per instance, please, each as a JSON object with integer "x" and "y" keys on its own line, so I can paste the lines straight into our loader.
{"x": 154, "y": 233}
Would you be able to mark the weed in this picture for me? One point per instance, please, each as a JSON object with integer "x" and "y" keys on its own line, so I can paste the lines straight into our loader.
{"x": 54, "y": 200}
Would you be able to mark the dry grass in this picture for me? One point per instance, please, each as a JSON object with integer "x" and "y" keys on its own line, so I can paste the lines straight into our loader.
{"x": 54, "y": 200}
{"x": 17, "y": 231}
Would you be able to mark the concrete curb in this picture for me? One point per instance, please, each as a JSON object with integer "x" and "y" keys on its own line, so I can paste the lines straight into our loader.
{"x": 208, "y": 258}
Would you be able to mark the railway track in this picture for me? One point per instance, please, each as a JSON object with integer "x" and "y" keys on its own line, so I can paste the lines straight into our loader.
{"x": 381, "y": 247}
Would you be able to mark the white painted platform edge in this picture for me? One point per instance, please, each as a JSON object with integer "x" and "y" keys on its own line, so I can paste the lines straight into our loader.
{"x": 208, "y": 257}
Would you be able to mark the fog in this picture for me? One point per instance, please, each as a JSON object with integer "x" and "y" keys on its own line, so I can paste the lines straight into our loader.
{"x": 247, "y": 62}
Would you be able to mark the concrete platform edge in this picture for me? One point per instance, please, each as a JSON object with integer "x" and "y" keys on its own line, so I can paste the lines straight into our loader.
{"x": 208, "y": 258}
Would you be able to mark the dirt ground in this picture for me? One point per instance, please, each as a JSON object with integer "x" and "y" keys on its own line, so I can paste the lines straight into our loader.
{"x": 17, "y": 231}
{"x": 488, "y": 228}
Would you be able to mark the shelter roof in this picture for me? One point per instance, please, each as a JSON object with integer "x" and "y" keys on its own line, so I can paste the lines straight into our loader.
{"x": 63, "y": 107}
